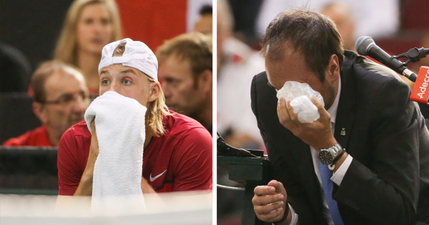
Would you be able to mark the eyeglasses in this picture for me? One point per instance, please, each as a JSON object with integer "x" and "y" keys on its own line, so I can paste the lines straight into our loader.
{"x": 68, "y": 98}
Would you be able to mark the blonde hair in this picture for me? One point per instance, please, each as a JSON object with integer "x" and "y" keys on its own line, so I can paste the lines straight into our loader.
{"x": 157, "y": 109}
{"x": 66, "y": 48}
{"x": 155, "y": 113}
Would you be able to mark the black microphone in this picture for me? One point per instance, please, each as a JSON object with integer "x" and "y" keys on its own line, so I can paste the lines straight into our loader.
{"x": 365, "y": 45}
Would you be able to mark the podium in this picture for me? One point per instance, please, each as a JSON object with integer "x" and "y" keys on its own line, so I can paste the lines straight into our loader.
{"x": 252, "y": 171}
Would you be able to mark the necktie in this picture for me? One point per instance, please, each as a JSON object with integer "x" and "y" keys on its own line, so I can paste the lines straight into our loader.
{"x": 326, "y": 174}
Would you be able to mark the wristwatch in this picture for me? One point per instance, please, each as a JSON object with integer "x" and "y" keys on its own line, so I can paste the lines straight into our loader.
{"x": 329, "y": 156}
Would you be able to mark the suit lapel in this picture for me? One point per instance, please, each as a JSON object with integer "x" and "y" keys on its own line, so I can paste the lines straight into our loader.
{"x": 345, "y": 115}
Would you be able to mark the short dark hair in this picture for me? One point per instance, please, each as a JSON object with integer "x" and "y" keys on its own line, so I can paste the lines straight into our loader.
{"x": 311, "y": 33}
{"x": 206, "y": 10}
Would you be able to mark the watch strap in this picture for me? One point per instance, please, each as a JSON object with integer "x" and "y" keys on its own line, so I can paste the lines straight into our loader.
{"x": 332, "y": 166}
{"x": 339, "y": 156}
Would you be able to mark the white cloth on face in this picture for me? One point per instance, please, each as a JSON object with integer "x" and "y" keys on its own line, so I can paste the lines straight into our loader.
{"x": 305, "y": 109}
{"x": 299, "y": 94}
{"x": 120, "y": 128}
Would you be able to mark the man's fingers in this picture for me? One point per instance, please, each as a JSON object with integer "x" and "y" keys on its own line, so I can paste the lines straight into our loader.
{"x": 94, "y": 142}
{"x": 93, "y": 126}
{"x": 269, "y": 208}
{"x": 269, "y": 213}
{"x": 324, "y": 115}
{"x": 93, "y": 134}
{"x": 277, "y": 185}
{"x": 269, "y": 203}
{"x": 292, "y": 115}
{"x": 266, "y": 195}
{"x": 267, "y": 199}
{"x": 264, "y": 190}
{"x": 282, "y": 110}
{"x": 284, "y": 114}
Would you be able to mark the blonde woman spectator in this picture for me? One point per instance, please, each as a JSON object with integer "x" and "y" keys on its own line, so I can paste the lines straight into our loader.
{"x": 88, "y": 27}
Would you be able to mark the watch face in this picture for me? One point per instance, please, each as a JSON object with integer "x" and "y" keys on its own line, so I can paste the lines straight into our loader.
{"x": 325, "y": 157}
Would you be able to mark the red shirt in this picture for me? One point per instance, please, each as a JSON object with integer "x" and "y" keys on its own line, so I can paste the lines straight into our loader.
{"x": 180, "y": 160}
{"x": 36, "y": 137}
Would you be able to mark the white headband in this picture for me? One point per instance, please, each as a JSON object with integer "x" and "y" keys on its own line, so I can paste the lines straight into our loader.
{"x": 137, "y": 55}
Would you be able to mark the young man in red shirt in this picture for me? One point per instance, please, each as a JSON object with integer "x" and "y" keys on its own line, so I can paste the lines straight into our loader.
{"x": 177, "y": 149}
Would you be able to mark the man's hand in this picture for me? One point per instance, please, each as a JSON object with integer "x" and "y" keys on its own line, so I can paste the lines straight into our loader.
{"x": 93, "y": 150}
{"x": 85, "y": 184}
{"x": 317, "y": 134}
{"x": 146, "y": 188}
{"x": 269, "y": 202}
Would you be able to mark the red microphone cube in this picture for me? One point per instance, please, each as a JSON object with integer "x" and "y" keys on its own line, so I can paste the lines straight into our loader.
{"x": 420, "y": 92}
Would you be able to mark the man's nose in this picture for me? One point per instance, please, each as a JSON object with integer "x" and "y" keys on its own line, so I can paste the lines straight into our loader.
{"x": 114, "y": 86}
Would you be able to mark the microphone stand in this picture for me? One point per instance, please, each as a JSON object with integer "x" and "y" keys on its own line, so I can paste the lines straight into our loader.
{"x": 412, "y": 55}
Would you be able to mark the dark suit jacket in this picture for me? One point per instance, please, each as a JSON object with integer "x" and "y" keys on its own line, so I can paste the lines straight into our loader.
{"x": 384, "y": 132}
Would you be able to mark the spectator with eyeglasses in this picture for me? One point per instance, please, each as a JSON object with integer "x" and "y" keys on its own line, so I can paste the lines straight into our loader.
{"x": 60, "y": 100}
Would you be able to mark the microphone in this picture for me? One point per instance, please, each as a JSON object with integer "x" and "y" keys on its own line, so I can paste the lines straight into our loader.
{"x": 365, "y": 45}
{"x": 420, "y": 92}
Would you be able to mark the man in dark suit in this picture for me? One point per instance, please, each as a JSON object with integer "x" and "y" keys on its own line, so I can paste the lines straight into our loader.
{"x": 371, "y": 135}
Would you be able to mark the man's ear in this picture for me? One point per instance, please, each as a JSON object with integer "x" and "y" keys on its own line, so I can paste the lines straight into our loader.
{"x": 40, "y": 110}
{"x": 333, "y": 68}
{"x": 205, "y": 81}
{"x": 155, "y": 92}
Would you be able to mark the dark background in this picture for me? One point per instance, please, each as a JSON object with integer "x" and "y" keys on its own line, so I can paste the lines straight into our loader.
{"x": 32, "y": 26}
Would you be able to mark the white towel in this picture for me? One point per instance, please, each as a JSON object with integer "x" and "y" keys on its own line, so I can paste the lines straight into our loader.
{"x": 300, "y": 94}
{"x": 120, "y": 128}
